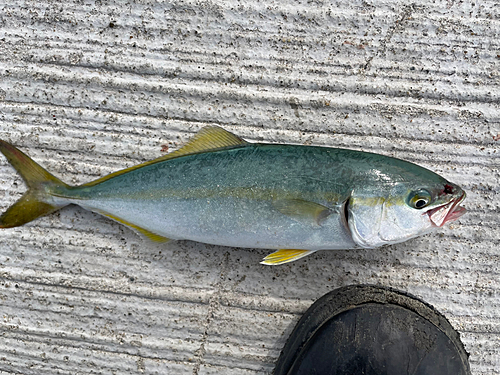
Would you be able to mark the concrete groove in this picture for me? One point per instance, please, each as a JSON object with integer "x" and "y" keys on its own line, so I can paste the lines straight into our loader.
{"x": 213, "y": 307}
{"x": 398, "y": 25}
{"x": 293, "y": 132}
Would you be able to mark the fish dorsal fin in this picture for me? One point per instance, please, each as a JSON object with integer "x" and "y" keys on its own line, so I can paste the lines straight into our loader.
{"x": 210, "y": 138}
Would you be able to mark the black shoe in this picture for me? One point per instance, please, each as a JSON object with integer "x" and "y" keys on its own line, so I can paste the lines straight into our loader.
{"x": 372, "y": 330}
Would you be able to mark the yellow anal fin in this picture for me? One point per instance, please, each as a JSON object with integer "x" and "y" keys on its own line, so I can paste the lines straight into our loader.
{"x": 284, "y": 256}
{"x": 301, "y": 209}
{"x": 152, "y": 236}
{"x": 210, "y": 138}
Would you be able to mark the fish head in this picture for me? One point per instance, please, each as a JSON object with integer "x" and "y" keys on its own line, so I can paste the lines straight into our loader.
{"x": 402, "y": 212}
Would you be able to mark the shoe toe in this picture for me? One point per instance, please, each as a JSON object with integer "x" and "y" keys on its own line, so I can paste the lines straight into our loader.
{"x": 372, "y": 330}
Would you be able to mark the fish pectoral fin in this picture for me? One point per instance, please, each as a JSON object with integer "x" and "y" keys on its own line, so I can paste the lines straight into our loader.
{"x": 152, "y": 236}
{"x": 283, "y": 256}
{"x": 302, "y": 209}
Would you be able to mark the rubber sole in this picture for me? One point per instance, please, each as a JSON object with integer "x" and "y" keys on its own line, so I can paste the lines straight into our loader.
{"x": 372, "y": 330}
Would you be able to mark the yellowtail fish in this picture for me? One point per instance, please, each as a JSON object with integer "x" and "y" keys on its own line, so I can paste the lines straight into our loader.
{"x": 222, "y": 190}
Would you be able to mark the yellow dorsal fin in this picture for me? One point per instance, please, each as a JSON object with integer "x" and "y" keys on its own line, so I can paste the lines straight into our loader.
{"x": 152, "y": 236}
{"x": 210, "y": 138}
{"x": 284, "y": 256}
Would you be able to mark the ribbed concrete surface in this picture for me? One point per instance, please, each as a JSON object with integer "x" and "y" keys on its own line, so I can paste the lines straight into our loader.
{"x": 87, "y": 88}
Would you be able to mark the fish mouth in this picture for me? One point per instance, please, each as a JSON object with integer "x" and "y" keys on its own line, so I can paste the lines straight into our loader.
{"x": 448, "y": 212}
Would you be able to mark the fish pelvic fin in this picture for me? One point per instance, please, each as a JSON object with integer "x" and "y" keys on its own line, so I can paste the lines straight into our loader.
{"x": 150, "y": 235}
{"x": 36, "y": 201}
{"x": 210, "y": 138}
{"x": 283, "y": 256}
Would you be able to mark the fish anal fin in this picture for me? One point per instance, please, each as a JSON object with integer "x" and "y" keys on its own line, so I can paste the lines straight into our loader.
{"x": 302, "y": 209}
{"x": 210, "y": 138}
{"x": 152, "y": 236}
{"x": 283, "y": 256}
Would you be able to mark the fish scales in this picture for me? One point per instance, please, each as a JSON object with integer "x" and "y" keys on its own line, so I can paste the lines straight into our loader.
{"x": 226, "y": 197}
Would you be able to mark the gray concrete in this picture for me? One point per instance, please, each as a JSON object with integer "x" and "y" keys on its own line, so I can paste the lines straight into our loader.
{"x": 87, "y": 88}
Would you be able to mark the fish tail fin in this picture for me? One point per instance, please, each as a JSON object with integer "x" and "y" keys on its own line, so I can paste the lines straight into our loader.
{"x": 34, "y": 203}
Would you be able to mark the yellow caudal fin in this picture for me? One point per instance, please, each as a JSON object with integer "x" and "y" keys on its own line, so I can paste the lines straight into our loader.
{"x": 284, "y": 256}
{"x": 33, "y": 203}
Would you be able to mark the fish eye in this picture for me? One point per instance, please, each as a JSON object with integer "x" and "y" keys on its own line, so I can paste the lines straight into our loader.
{"x": 419, "y": 199}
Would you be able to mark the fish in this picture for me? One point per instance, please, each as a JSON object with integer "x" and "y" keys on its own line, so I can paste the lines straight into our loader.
{"x": 220, "y": 189}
